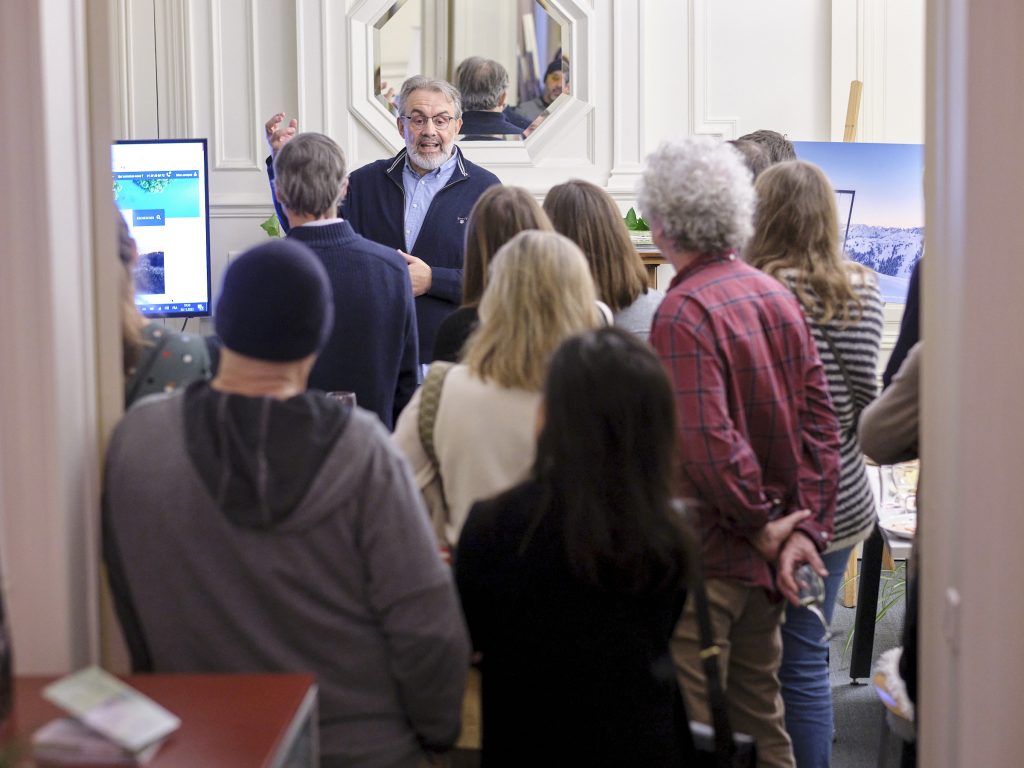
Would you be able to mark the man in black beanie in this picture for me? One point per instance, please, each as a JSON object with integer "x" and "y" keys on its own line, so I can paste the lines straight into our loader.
{"x": 250, "y": 525}
{"x": 554, "y": 85}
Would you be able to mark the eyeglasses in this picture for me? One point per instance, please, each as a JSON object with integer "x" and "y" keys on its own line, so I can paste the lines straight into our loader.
{"x": 419, "y": 122}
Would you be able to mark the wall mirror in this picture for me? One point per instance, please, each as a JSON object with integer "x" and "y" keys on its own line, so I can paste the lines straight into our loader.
{"x": 530, "y": 38}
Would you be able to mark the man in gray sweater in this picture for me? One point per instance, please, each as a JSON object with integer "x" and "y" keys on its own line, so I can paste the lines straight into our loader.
{"x": 250, "y": 525}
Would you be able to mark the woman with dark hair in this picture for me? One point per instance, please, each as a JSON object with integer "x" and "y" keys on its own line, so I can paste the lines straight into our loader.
{"x": 156, "y": 359}
{"x": 796, "y": 240}
{"x": 500, "y": 213}
{"x": 573, "y": 581}
{"x": 588, "y": 216}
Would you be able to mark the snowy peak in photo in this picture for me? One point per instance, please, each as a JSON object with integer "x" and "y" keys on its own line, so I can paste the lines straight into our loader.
{"x": 887, "y": 250}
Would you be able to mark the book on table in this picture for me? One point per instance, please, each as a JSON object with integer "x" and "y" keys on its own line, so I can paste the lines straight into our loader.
{"x": 110, "y": 723}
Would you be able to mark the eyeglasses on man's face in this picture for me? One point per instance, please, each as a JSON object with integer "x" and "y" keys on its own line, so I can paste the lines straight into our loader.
{"x": 419, "y": 122}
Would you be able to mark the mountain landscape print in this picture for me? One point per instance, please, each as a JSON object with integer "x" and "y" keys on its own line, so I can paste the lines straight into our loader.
{"x": 880, "y": 197}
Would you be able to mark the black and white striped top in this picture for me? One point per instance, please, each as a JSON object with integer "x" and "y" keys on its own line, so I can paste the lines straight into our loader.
{"x": 858, "y": 344}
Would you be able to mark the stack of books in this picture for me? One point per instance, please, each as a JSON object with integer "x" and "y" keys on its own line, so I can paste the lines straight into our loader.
{"x": 111, "y": 723}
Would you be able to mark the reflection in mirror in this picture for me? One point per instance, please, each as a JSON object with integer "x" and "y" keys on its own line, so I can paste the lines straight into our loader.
{"x": 432, "y": 37}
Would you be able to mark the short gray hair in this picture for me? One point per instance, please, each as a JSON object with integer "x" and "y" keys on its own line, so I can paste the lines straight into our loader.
{"x": 421, "y": 83}
{"x": 481, "y": 82}
{"x": 309, "y": 174}
{"x": 700, "y": 192}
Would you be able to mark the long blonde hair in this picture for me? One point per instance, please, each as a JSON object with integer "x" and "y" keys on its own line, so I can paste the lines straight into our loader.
{"x": 588, "y": 216}
{"x": 540, "y": 292}
{"x": 796, "y": 240}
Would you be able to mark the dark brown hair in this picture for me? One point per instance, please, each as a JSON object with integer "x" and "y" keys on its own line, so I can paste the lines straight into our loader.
{"x": 607, "y": 403}
{"x": 499, "y": 214}
{"x": 586, "y": 214}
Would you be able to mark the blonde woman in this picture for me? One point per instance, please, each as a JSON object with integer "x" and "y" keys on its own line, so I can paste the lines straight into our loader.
{"x": 539, "y": 293}
{"x": 796, "y": 240}
{"x": 498, "y": 215}
{"x": 588, "y": 216}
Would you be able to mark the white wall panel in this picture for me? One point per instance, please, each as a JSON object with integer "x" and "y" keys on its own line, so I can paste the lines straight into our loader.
{"x": 761, "y": 65}
{"x": 646, "y": 71}
{"x": 235, "y": 76}
{"x": 881, "y": 43}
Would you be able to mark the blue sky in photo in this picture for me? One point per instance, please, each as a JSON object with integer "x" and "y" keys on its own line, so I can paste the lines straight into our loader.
{"x": 888, "y": 178}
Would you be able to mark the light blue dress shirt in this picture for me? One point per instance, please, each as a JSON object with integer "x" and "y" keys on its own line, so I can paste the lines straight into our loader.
{"x": 419, "y": 193}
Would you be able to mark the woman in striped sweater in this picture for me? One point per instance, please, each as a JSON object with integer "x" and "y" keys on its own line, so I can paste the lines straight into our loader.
{"x": 796, "y": 240}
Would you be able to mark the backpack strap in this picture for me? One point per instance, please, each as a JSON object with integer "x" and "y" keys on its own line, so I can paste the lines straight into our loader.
{"x": 430, "y": 401}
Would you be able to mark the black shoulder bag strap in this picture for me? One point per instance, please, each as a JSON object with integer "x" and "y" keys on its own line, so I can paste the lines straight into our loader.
{"x": 844, "y": 371}
{"x": 709, "y": 652}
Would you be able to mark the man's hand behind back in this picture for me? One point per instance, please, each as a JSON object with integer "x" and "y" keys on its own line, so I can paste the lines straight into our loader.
{"x": 769, "y": 540}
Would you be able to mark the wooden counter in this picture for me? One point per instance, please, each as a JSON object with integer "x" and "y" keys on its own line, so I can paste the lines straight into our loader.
{"x": 228, "y": 721}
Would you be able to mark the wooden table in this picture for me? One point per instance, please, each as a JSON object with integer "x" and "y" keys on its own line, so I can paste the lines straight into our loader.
{"x": 652, "y": 259}
{"x": 878, "y": 553}
{"x": 227, "y": 721}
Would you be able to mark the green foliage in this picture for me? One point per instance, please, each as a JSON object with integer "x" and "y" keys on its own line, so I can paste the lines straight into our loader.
{"x": 892, "y": 589}
{"x": 272, "y": 227}
{"x": 636, "y": 223}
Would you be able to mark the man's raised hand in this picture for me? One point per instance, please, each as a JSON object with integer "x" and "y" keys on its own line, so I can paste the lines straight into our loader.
{"x": 278, "y": 133}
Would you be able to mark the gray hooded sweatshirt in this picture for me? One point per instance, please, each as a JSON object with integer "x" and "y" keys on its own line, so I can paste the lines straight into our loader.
{"x": 256, "y": 535}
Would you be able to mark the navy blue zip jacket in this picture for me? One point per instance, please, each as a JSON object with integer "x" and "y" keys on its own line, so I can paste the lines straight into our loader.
{"x": 375, "y": 207}
{"x": 482, "y": 125}
{"x": 373, "y": 347}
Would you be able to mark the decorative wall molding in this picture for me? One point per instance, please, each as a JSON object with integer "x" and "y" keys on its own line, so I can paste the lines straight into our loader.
{"x": 627, "y": 94}
{"x": 126, "y": 71}
{"x": 701, "y": 122}
{"x": 175, "y": 87}
{"x": 314, "y": 64}
{"x": 881, "y": 43}
{"x": 241, "y": 206}
{"x": 380, "y": 123}
{"x": 244, "y": 79}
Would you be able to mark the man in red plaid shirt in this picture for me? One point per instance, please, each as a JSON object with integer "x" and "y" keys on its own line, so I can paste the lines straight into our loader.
{"x": 758, "y": 438}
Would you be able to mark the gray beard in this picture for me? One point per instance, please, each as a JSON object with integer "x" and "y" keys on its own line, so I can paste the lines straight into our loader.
{"x": 434, "y": 162}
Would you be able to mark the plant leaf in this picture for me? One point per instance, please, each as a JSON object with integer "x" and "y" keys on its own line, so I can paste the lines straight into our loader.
{"x": 631, "y": 219}
{"x": 272, "y": 227}
{"x": 642, "y": 225}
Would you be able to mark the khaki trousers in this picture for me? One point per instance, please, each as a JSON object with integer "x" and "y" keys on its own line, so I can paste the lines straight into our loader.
{"x": 745, "y": 625}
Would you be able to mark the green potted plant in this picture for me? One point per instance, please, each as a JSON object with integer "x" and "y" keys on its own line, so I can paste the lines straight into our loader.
{"x": 639, "y": 229}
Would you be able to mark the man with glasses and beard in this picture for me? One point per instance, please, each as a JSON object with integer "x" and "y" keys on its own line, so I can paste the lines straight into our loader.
{"x": 418, "y": 201}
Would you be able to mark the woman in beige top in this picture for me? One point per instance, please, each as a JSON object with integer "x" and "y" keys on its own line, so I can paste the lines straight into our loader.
{"x": 540, "y": 292}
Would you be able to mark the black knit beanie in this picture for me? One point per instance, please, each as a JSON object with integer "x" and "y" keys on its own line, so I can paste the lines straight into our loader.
{"x": 275, "y": 303}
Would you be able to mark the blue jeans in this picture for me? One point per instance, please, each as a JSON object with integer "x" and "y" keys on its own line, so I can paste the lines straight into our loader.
{"x": 806, "y": 689}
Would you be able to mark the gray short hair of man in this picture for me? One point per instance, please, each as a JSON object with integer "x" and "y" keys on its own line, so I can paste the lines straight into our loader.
{"x": 701, "y": 193}
{"x": 309, "y": 174}
{"x": 481, "y": 82}
{"x": 421, "y": 83}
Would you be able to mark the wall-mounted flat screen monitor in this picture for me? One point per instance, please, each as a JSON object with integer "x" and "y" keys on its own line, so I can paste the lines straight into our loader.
{"x": 161, "y": 189}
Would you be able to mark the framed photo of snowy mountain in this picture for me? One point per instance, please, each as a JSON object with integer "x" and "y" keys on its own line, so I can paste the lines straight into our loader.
{"x": 880, "y": 198}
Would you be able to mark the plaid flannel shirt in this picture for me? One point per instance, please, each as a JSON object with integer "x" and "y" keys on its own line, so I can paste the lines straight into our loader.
{"x": 758, "y": 436}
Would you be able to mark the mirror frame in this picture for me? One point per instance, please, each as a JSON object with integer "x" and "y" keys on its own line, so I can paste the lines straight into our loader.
{"x": 367, "y": 108}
